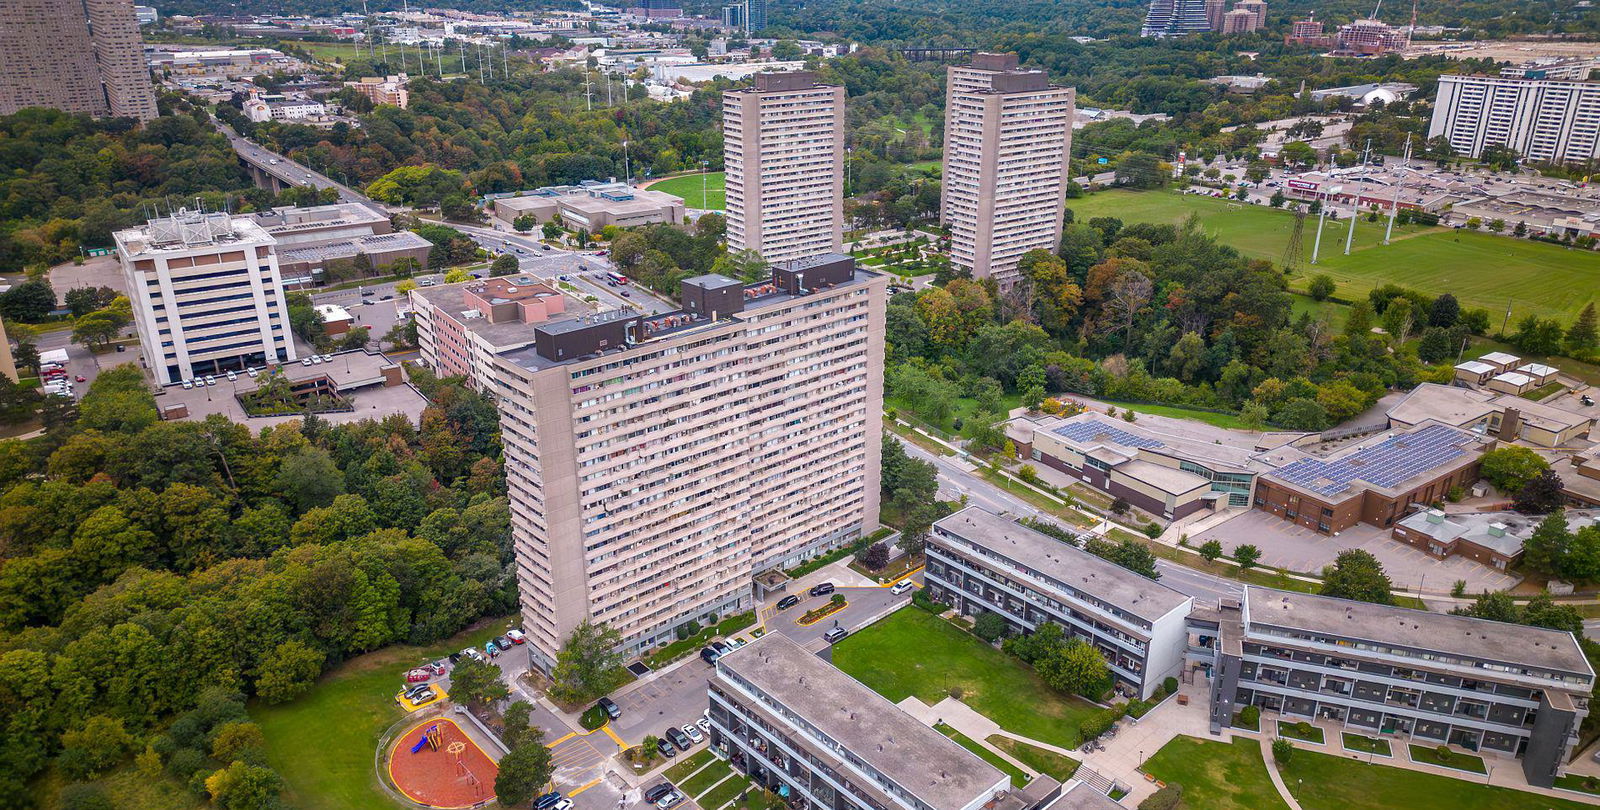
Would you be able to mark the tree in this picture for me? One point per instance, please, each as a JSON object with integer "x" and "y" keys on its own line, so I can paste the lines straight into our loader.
{"x": 244, "y": 787}
{"x": 1321, "y": 286}
{"x": 551, "y": 230}
{"x": 504, "y": 265}
{"x": 1545, "y": 550}
{"x": 523, "y": 771}
{"x": 1356, "y": 574}
{"x": 1444, "y": 312}
{"x": 288, "y": 672}
{"x": 1540, "y": 495}
{"x": 875, "y": 556}
{"x": 524, "y": 223}
{"x": 1583, "y": 336}
{"x": 1246, "y": 555}
{"x": 1510, "y": 468}
{"x": 1397, "y": 319}
{"x": 100, "y": 743}
{"x": 1282, "y": 751}
{"x": 28, "y": 302}
{"x": 236, "y": 740}
{"x": 1075, "y": 668}
{"x": 587, "y": 665}
{"x": 990, "y": 626}
{"x": 1211, "y": 550}
{"x": 310, "y": 478}
{"x": 1140, "y": 170}
{"x": 477, "y": 683}
{"x": 457, "y": 276}
{"x": 518, "y": 726}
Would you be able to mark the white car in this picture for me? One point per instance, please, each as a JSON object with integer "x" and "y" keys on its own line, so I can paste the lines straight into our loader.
{"x": 693, "y": 731}
{"x": 704, "y": 723}
{"x": 188, "y": 385}
{"x": 251, "y": 372}
{"x": 210, "y": 380}
{"x": 232, "y": 376}
{"x": 901, "y": 587}
{"x": 306, "y": 362}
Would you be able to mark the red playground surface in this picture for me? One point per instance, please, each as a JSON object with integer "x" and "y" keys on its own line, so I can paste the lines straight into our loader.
{"x": 437, "y": 765}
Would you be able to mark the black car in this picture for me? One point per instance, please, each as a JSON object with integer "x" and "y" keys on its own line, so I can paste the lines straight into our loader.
{"x": 547, "y": 800}
{"x": 455, "y": 658}
{"x": 666, "y": 747}
{"x": 656, "y": 791}
{"x": 679, "y": 738}
{"x": 721, "y": 648}
{"x": 709, "y": 655}
{"x": 788, "y": 602}
{"x": 611, "y": 709}
{"x": 822, "y": 590}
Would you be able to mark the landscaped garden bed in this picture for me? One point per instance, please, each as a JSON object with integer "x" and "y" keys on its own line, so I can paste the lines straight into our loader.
{"x": 1248, "y": 718}
{"x": 679, "y": 772}
{"x": 1367, "y": 745}
{"x": 1329, "y": 782}
{"x": 1580, "y": 783}
{"x": 1302, "y": 731}
{"x": 817, "y": 614}
{"x": 1446, "y": 757}
{"x": 684, "y": 646}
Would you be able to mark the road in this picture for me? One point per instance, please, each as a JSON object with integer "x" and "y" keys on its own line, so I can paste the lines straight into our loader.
{"x": 289, "y": 171}
{"x": 955, "y": 481}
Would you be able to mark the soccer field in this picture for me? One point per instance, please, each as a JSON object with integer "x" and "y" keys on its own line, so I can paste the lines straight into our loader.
{"x": 1482, "y": 270}
{"x": 688, "y": 187}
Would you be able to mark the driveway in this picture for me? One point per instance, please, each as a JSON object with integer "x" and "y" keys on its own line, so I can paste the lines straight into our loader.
{"x": 1297, "y": 548}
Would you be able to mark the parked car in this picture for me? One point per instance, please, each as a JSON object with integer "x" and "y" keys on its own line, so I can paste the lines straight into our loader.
{"x": 422, "y": 697}
{"x": 502, "y": 642}
{"x": 548, "y": 800}
{"x": 437, "y": 667}
{"x": 709, "y": 655}
{"x": 416, "y": 675}
{"x": 473, "y": 654}
{"x": 678, "y": 738}
{"x": 693, "y": 731}
{"x": 833, "y": 636}
{"x": 669, "y": 801}
{"x": 704, "y": 724}
{"x": 656, "y": 791}
{"x": 736, "y": 643}
{"x": 251, "y": 372}
{"x": 188, "y": 386}
{"x": 666, "y": 747}
{"x": 232, "y": 376}
{"x": 788, "y": 602}
{"x": 902, "y": 586}
{"x": 721, "y": 648}
{"x": 610, "y": 707}
{"x": 517, "y": 636}
{"x": 306, "y": 362}
{"x": 564, "y": 804}
{"x": 822, "y": 590}
{"x": 81, "y": 378}
{"x": 210, "y": 380}
{"x": 455, "y": 658}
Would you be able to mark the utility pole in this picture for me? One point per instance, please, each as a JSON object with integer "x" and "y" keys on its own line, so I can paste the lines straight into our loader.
{"x": 588, "y": 95}
{"x": 627, "y": 165}
{"x": 1394, "y": 203}
{"x": 1355, "y": 205}
{"x": 1322, "y": 213}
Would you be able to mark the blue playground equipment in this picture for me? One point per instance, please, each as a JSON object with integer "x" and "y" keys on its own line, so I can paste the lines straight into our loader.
{"x": 429, "y": 738}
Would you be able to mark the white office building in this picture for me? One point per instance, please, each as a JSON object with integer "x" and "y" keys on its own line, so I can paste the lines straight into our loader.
{"x": 206, "y": 295}
{"x": 1546, "y": 120}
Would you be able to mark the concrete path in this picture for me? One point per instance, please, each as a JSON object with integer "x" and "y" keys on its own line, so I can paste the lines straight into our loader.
{"x": 1277, "y": 778}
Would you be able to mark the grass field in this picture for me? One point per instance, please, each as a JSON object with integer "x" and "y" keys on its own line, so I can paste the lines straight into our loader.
{"x": 913, "y": 652}
{"x": 688, "y": 187}
{"x": 1219, "y": 776}
{"x": 1327, "y": 782}
{"x": 324, "y": 743}
{"x": 1222, "y": 420}
{"x": 1018, "y": 777}
{"x": 1048, "y": 763}
{"x": 1482, "y": 270}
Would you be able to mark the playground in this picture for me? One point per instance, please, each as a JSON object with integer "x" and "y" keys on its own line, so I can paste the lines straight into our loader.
{"x": 436, "y": 764}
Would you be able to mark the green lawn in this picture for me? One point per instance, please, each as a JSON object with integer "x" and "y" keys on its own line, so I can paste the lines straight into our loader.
{"x": 677, "y": 773}
{"x": 1049, "y": 763}
{"x": 689, "y": 186}
{"x": 1335, "y": 312}
{"x": 724, "y": 793}
{"x": 1367, "y": 745}
{"x": 1482, "y": 270}
{"x": 324, "y": 743}
{"x": 1305, "y": 732}
{"x": 702, "y": 781}
{"x": 1018, "y": 777}
{"x": 1584, "y": 784}
{"x": 912, "y": 652}
{"x": 1219, "y": 776}
{"x": 1221, "y": 420}
{"x": 1449, "y": 758}
{"x": 1327, "y": 782}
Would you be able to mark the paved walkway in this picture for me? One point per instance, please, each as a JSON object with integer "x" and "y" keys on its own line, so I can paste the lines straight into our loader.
{"x": 1277, "y": 778}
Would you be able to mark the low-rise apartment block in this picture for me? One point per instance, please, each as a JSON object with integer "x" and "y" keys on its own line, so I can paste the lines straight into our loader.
{"x": 206, "y": 293}
{"x": 593, "y": 205}
{"x": 803, "y": 729}
{"x": 1428, "y": 678}
{"x": 657, "y": 462}
{"x": 980, "y": 562}
{"x": 1492, "y": 538}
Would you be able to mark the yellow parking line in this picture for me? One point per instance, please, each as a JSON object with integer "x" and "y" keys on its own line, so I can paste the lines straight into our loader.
{"x": 613, "y": 735}
{"x": 902, "y": 576}
{"x": 581, "y": 788}
{"x": 569, "y": 736}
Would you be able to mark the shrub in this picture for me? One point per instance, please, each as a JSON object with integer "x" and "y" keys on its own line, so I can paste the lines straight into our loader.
{"x": 922, "y": 600}
{"x": 1120, "y": 507}
{"x": 838, "y": 599}
{"x": 1170, "y": 685}
{"x": 1250, "y": 716}
{"x": 1168, "y": 797}
{"x": 1459, "y": 589}
{"x": 1211, "y": 549}
{"x": 1151, "y": 530}
{"x": 990, "y": 626}
{"x": 688, "y": 629}
{"x": 1282, "y": 751}
{"x": 1138, "y": 708}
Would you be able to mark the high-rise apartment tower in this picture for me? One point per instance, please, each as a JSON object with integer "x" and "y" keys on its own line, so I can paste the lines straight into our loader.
{"x": 783, "y": 147}
{"x": 1007, "y": 140}
{"x": 81, "y": 56}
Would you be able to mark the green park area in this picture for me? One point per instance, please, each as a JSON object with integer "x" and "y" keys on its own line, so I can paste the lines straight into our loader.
{"x": 914, "y": 653}
{"x": 1216, "y": 775}
{"x": 324, "y": 744}
{"x": 1482, "y": 270}
{"x": 689, "y": 187}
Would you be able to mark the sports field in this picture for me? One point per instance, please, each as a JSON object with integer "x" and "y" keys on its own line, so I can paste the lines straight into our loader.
{"x": 688, "y": 187}
{"x": 1482, "y": 270}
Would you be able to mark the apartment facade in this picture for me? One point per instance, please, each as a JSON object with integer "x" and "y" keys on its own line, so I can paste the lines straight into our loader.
{"x": 783, "y": 149}
{"x": 206, "y": 295}
{"x": 979, "y": 561}
{"x": 1007, "y": 143}
{"x": 1175, "y": 18}
{"x": 803, "y": 729}
{"x": 1501, "y": 689}
{"x": 80, "y": 56}
{"x": 1549, "y": 120}
{"x": 657, "y": 462}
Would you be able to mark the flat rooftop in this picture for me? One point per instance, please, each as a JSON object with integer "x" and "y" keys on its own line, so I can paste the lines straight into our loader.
{"x": 1458, "y": 406}
{"x": 926, "y": 763}
{"x": 1101, "y": 578}
{"x": 450, "y": 299}
{"x": 345, "y": 248}
{"x": 1177, "y": 438}
{"x": 1390, "y": 462}
{"x": 1460, "y": 636}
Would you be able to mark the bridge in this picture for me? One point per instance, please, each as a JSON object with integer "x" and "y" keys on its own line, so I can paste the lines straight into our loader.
{"x": 935, "y": 54}
{"x": 274, "y": 172}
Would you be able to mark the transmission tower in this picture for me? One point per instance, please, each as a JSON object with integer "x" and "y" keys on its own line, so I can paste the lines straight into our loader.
{"x": 1293, "y": 253}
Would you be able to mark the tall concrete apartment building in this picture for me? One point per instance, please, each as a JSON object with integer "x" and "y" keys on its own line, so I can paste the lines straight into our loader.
{"x": 783, "y": 147}
{"x": 656, "y": 463}
{"x": 206, "y": 295}
{"x": 1551, "y": 120}
{"x": 80, "y": 56}
{"x": 1495, "y": 688}
{"x": 1175, "y": 18}
{"x": 1007, "y": 143}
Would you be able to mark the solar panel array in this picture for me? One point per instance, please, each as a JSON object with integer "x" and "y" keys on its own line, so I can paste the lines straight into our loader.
{"x": 1093, "y": 430}
{"x": 1385, "y": 464}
